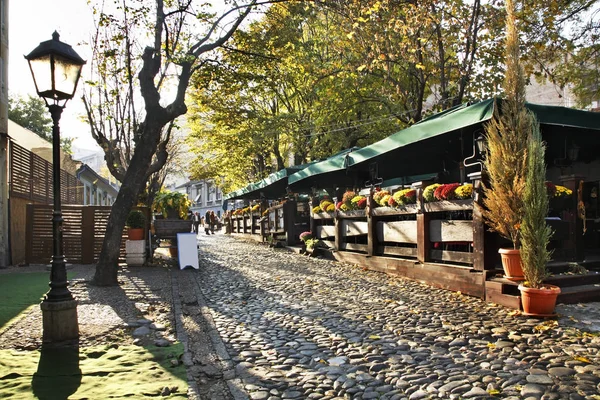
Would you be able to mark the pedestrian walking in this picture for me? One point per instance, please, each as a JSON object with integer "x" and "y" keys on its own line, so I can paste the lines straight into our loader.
{"x": 195, "y": 222}
{"x": 207, "y": 223}
{"x": 213, "y": 222}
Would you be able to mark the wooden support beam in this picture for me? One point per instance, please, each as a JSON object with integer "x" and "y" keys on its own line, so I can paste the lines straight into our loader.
{"x": 423, "y": 242}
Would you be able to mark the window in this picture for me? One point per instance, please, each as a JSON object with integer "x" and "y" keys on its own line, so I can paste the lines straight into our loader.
{"x": 210, "y": 190}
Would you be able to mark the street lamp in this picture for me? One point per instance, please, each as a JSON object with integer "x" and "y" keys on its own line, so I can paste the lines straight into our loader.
{"x": 56, "y": 69}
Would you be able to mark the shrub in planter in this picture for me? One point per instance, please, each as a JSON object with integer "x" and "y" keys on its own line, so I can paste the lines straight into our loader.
{"x": 136, "y": 222}
{"x": 167, "y": 202}
{"x": 537, "y": 298}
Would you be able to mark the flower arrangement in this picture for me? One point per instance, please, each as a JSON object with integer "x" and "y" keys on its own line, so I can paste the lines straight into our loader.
{"x": 360, "y": 202}
{"x": 447, "y": 191}
{"x": 304, "y": 236}
{"x": 348, "y": 196}
{"x": 428, "y": 193}
{"x": 326, "y": 205}
{"x": 316, "y": 209}
{"x": 379, "y": 197}
{"x": 562, "y": 191}
{"x": 255, "y": 208}
{"x": 402, "y": 197}
{"x": 166, "y": 201}
{"x": 351, "y": 201}
{"x": 464, "y": 192}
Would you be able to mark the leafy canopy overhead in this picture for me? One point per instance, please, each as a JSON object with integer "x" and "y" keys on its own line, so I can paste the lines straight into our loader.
{"x": 31, "y": 113}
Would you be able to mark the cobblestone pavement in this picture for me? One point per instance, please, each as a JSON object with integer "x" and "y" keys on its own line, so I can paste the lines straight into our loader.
{"x": 296, "y": 327}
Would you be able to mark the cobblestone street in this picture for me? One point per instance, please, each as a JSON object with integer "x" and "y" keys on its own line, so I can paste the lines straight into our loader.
{"x": 297, "y": 327}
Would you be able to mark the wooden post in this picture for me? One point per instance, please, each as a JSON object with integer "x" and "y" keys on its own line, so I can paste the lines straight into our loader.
{"x": 338, "y": 223}
{"x": 372, "y": 241}
{"x": 87, "y": 234}
{"x": 576, "y": 240}
{"x": 289, "y": 222}
{"x": 29, "y": 234}
{"x": 312, "y": 222}
{"x": 423, "y": 242}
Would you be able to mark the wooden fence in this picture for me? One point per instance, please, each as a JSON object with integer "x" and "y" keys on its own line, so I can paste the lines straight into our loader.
{"x": 31, "y": 179}
{"x": 84, "y": 228}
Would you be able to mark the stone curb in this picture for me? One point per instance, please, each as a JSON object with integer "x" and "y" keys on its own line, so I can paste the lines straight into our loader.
{"x": 193, "y": 392}
{"x": 235, "y": 385}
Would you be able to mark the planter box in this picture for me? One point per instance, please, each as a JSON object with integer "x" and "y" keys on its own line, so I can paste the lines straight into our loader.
{"x": 352, "y": 214}
{"x": 406, "y": 209}
{"x": 448, "y": 205}
{"x": 169, "y": 228}
{"x": 322, "y": 215}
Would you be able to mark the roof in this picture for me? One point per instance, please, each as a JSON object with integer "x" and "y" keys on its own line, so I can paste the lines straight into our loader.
{"x": 274, "y": 186}
{"x": 424, "y": 147}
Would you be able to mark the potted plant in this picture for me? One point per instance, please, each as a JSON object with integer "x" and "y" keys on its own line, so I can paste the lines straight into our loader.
{"x": 506, "y": 161}
{"x": 136, "y": 222}
{"x": 537, "y": 298}
{"x": 172, "y": 204}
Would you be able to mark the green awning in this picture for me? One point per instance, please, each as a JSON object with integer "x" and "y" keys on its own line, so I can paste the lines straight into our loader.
{"x": 272, "y": 187}
{"x": 437, "y": 144}
{"x": 447, "y": 121}
{"x": 309, "y": 177}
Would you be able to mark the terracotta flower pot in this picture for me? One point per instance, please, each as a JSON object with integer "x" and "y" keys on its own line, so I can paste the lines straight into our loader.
{"x": 539, "y": 302}
{"x": 136, "y": 233}
{"x": 511, "y": 262}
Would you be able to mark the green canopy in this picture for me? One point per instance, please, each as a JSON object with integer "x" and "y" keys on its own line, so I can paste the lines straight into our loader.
{"x": 437, "y": 144}
{"x": 272, "y": 187}
{"x": 309, "y": 177}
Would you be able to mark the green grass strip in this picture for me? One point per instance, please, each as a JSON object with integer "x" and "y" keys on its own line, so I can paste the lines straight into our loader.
{"x": 99, "y": 372}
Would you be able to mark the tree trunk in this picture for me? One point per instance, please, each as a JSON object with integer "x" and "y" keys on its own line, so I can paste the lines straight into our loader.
{"x": 107, "y": 266}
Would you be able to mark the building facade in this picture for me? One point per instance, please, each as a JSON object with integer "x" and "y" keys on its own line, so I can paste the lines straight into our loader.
{"x": 204, "y": 194}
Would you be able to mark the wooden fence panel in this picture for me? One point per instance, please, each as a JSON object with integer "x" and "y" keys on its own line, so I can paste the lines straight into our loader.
{"x": 31, "y": 178}
{"x": 84, "y": 228}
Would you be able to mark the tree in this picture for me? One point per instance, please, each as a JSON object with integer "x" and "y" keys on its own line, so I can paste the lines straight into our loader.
{"x": 31, "y": 113}
{"x": 282, "y": 91}
{"x": 183, "y": 36}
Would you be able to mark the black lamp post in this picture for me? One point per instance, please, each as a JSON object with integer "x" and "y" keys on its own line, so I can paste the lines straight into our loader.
{"x": 56, "y": 69}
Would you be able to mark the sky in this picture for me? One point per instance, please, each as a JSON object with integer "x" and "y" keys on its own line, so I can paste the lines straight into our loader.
{"x": 33, "y": 21}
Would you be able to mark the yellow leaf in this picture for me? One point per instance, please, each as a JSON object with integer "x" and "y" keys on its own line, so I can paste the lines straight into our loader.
{"x": 419, "y": 66}
{"x": 350, "y": 35}
{"x": 582, "y": 359}
{"x": 493, "y": 392}
{"x": 362, "y": 67}
{"x": 492, "y": 346}
{"x": 375, "y": 337}
{"x": 369, "y": 317}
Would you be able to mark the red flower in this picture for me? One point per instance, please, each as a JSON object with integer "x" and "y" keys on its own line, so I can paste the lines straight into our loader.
{"x": 550, "y": 188}
{"x": 438, "y": 192}
{"x": 448, "y": 191}
{"x": 392, "y": 202}
{"x": 362, "y": 203}
{"x": 338, "y": 205}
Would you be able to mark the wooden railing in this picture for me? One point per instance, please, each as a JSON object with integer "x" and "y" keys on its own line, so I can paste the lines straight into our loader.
{"x": 441, "y": 232}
